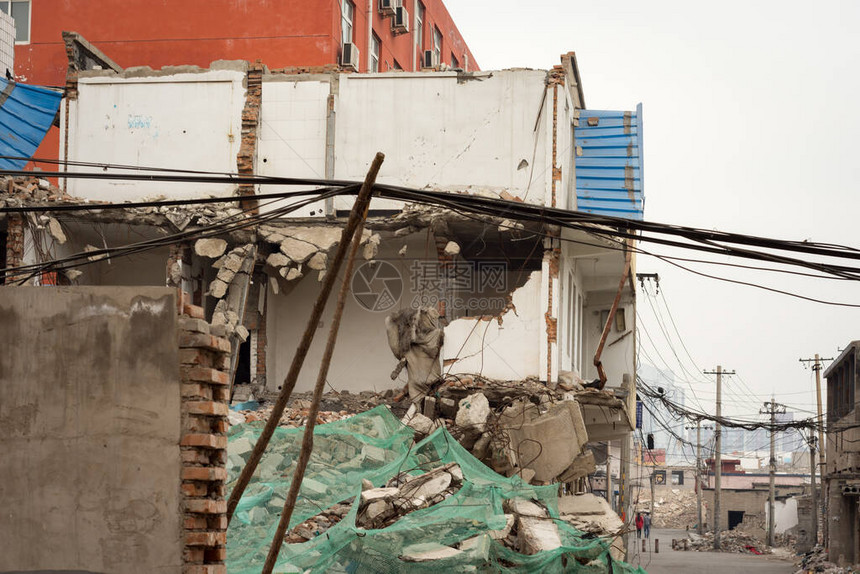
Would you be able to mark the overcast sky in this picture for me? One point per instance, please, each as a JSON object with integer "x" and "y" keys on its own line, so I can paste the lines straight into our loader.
{"x": 750, "y": 120}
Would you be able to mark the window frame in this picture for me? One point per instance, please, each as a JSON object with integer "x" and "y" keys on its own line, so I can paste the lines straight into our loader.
{"x": 437, "y": 45}
{"x": 420, "y": 13}
{"x": 8, "y": 4}
{"x": 375, "y": 52}
{"x": 347, "y": 22}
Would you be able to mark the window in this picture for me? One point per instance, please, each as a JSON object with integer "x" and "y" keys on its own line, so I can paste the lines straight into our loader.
{"x": 20, "y": 11}
{"x": 437, "y": 45}
{"x": 419, "y": 30}
{"x": 347, "y": 12}
{"x": 455, "y": 63}
{"x": 397, "y": 65}
{"x": 677, "y": 477}
{"x": 374, "y": 53}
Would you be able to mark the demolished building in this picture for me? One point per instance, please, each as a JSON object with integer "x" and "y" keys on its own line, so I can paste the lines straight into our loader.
{"x": 515, "y": 304}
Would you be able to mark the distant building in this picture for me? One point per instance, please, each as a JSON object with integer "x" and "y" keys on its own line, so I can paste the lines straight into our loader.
{"x": 841, "y": 476}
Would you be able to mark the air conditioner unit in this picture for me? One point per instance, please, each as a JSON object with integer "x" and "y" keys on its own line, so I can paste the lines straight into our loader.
{"x": 429, "y": 60}
{"x": 400, "y": 22}
{"x": 349, "y": 59}
{"x": 388, "y": 7}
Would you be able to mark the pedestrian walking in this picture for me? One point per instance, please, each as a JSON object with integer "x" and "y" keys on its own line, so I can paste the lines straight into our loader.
{"x": 640, "y": 522}
{"x": 647, "y": 525}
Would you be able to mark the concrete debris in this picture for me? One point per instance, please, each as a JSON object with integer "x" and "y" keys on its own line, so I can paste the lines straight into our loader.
{"x": 675, "y": 511}
{"x": 451, "y": 248}
{"x": 402, "y": 251}
{"x": 472, "y": 413}
{"x": 428, "y": 551}
{"x": 371, "y": 248}
{"x": 210, "y": 247}
{"x": 382, "y": 507}
{"x": 294, "y": 273}
{"x": 730, "y": 541}
{"x": 91, "y": 248}
{"x": 318, "y": 261}
{"x": 298, "y": 251}
{"x": 217, "y": 289}
{"x": 422, "y": 425}
{"x": 816, "y": 561}
{"x": 56, "y": 230}
{"x": 537, "y": 535}
{"x": 592, "y": 514}
{"x": 415, "y": 336}
{"x": 278, "y": 260}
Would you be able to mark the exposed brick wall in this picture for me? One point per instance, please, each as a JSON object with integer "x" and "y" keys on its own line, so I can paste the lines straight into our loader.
{"x": 262, "y": 344}
{"x": 14, "y": 243}
{"x": 204, "y": 365}
{"x": 250, "y": 123}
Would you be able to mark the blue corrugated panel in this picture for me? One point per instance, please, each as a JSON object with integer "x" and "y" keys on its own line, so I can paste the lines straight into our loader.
{"x": 609, "y": 163}
{"x": 26, "y": 115}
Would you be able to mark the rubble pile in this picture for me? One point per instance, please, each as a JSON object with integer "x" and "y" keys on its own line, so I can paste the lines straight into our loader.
{"x": 334, "y": 406}
{"x": 816, "y": 561}
{"x": 730, "y": 541}
{"x": 675, "y": 511}
{"x": 511, "y": 426}
{"x": 382, "y": 507}
{"x": 313, "y": 527}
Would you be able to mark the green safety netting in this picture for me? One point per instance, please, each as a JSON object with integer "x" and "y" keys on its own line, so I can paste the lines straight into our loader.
{"x": 375, "y": 446}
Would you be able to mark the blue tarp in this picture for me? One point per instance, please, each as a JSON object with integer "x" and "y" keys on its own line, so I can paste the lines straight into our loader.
{"x": 26, "y": 115}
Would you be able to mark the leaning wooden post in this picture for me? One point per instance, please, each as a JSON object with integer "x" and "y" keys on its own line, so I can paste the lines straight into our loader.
{"x": 355, "y": 216}
{"x": 308, "y": 437}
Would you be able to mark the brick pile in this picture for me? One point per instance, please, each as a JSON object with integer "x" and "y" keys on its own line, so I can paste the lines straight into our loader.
{"x": 205, "y": 362}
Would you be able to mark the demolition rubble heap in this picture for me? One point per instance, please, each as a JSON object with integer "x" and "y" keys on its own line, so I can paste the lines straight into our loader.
{"x": 676, "y": 511}
{"x": 375, "y": 500}
{"x": 730, "y": 541}
{"x": 816, "y": 561}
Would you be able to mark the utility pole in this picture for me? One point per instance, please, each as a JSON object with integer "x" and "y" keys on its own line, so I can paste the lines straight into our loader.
{"x": 700, "y": 527}
{"x": 772, "y": 408}
{"x": 718, "y": 446}
{"x": 822, "y": 446}
{"x": 814, "y": 489}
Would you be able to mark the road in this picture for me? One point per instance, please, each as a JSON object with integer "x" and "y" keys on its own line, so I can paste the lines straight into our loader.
{"x": 669, "y": 561}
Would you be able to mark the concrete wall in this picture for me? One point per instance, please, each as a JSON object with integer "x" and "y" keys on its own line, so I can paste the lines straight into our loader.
{"x": 506, "y": 348}
{"x": 480, "y": 135}
{"x": 362, "y": 359}
{"x": 757, "y": 480}
{"x": 89, "y": 430}
{"x": 293, "y": 130}
{"x": 186, "y": 121}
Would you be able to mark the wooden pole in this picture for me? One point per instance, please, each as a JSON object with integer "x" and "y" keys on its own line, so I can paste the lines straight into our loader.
{"x": 308, "y": 437}
{"x": 357, "y": 214}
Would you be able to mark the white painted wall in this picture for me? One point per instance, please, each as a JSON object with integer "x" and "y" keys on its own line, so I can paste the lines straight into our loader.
{"x": 184, "y": 121}
{"x": 440, "y": 133}
{"x": 292, "y": 136}
{"x": 785, "y": 514}
{"x": 618, "y": 359}
{"x": 506, "y": 350}
{"x": 362, "y": 359}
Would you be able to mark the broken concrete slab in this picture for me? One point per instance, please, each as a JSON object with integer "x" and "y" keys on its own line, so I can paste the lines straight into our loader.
{"x": 523, "y": 507}
{"x": 298, "y": 251}
{"x": 428, "y": 551}
{"x": 537, "y": 535}
{"x": 218, "y": 288}
{"x": 56, "y": 230}
{"x": 473, "y": 412}
{"x": 210, "y": 247}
